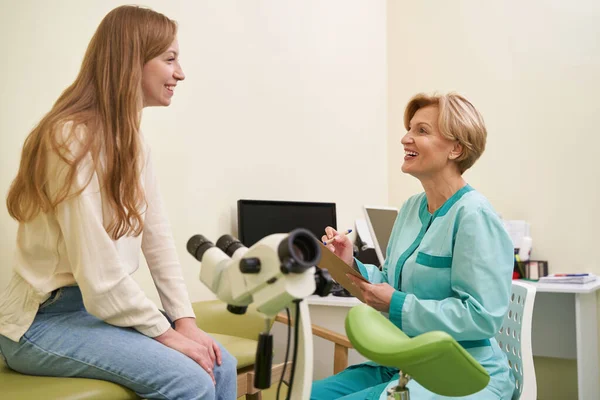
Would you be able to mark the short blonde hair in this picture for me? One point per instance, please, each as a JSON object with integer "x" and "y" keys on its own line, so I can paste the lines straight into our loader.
{"x": 458, "y": 120}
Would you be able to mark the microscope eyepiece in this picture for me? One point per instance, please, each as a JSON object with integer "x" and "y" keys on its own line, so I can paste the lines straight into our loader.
{"x": 299, "y": 251}
{"x": 229, "y": 244}
{"x": 198, "y": 245}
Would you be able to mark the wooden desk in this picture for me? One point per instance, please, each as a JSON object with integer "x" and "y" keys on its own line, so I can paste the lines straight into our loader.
{"x": 565, "y": 325}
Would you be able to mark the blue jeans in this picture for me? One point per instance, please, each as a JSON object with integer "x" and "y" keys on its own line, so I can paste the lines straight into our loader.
{"x": 65, "y": 340}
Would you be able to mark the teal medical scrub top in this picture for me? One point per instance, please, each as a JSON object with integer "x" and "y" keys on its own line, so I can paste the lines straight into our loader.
{"x": 452, "y": 270}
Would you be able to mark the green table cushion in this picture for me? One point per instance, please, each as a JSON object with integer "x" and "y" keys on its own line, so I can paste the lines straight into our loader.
{"x": 212, "y": 316}
{"x": 244, "y": 350}
{"x": 16, "y": 386}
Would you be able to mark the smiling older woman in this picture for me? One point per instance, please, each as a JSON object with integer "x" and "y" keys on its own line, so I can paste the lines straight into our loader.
{"x": 449, "y": 260}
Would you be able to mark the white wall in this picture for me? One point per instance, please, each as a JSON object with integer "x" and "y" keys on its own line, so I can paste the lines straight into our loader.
{"x": 280, "y": 101}
{"x": 532, "y": 69}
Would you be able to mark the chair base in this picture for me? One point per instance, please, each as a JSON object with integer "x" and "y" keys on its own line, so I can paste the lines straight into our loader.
{"x": 400, "y": 391}
{"x": 397, "y": 393}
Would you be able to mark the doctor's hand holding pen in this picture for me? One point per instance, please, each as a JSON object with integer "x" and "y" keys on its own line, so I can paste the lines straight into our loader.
{"x": 378, "y": 296}
{"x": 339, "y": 244}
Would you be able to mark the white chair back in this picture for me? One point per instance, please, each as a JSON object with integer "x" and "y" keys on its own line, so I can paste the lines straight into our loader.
{"x": 514, "y": 339}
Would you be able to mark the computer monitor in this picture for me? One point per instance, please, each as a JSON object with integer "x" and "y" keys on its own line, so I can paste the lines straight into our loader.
{"x": 380, "y": 221}
{"x": 260, "y": 218}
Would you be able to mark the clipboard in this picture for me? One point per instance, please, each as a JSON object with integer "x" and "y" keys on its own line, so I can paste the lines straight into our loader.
{"x": 338, "y": 270}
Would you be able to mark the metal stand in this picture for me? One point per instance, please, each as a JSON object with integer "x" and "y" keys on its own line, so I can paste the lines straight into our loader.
{"x": 303, "y": 379}
{"x": 400, "y": 391}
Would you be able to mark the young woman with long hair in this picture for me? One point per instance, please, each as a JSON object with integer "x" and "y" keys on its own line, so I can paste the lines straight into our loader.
{"x": 87, "y": 201}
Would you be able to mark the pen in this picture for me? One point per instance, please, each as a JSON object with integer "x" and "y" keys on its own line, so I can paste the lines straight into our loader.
{"x": 327, "y": 242}
{"x": 571, "y": 274}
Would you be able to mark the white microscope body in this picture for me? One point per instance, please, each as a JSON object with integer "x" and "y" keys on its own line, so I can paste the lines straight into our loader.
{"x": 274, "y": 273}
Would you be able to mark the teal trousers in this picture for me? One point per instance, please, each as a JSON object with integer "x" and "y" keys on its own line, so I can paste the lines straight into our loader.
{"x": 357, "y": 382}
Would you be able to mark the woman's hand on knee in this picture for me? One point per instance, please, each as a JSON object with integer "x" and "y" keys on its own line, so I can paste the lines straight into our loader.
{"x": 194, "y": 350}
{"x": 188, "y": 328}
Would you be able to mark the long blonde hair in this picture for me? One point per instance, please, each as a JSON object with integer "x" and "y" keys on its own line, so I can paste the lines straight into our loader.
{"x": 106, "y": 100}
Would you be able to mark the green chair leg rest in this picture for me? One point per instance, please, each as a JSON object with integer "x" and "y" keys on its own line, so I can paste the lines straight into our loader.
{"x": 434, "y": 359}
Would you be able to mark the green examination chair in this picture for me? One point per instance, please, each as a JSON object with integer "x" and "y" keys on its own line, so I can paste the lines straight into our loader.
{"x": 433, "y": 359}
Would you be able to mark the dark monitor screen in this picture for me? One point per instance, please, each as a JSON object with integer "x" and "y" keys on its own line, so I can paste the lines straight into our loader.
{"x": 260, "y": 218}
